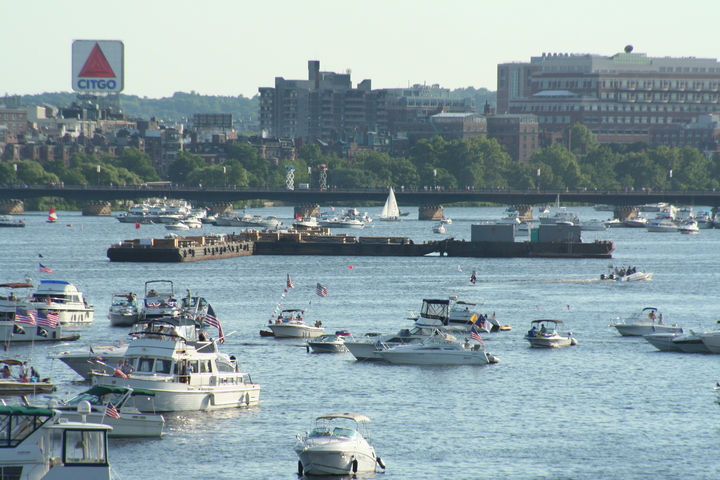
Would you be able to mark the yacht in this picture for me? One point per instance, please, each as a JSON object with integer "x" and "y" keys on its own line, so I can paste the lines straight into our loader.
{"x": 87, "y": 361}
{"x": 440, "y": 349}
{"x": 648, "y": 320}
{"x": 174, "y": 358}
{"x": 338, "y": 445}
{"x": 545, "y": 334}
{"x": 367, "y": 346}
{"x": 113, "y": 406}
{"x": 123, "y": 309}
{"x": 38, "y": 445}
{"x": 661, "y": 224}
{"x": 19, "y": 322}
{"x": 64, "y": 299}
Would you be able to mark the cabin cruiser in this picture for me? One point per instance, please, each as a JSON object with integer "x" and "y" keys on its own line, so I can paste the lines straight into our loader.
{"x": 453, "y": 315}
{"x": 341, "y": 222}
{"x": 663, "y": 341}
{"x": 544, "y": 333}
{"x": 160, "y": 300}
{"x": 19, "y": 322}
{"x": 92, "y": 359}
{"x": 439, "y": 349}
{"x": 635, "y": 222}
{"x": 123, "y": 309}
{"x": 304, "y": 223}
{"x": 593, "y": 225}
{"x": 64, "y": 299}
{"x": 36, "y": 444}
{"x": 112, "y": 406}
{"x": 704, "y": 219}
{"x": 178, "y": 225}
{"x": 290, "y": 324}
{"x": 175, "y": 358}
{"x": 689, "y": 227}
{"x": 367, "y": 347}
{"x": 337, "y": 446}
{"x": 648, "y": 320}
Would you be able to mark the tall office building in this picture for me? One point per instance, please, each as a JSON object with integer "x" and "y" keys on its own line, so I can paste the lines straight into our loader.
{"x": 624, "y": 98}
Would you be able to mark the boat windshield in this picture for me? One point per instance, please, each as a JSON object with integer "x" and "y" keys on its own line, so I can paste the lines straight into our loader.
{"x": 334, "y": 432}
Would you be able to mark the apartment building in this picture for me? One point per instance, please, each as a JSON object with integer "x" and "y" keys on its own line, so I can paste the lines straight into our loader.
{"x": 624, "y": 98}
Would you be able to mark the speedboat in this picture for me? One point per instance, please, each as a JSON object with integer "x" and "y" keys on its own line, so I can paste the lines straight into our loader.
{"x": 368, "y": 346}
{"x": 290, "y": 324}
{"x": 38, "y": 445}
{"x": 337, "y": 446}
{"x": 648, "y": 320}
{"x": 689, "y": 227}
{"x": 306, "y": 223}
{"x": 19, "y": 322}
{"x": 636, "y": 222}
{"x": 454, "y": 315}
{"x": 13, "y": 384}
{"x": 341, "y": 222}
{"x": 661, "y": 225}
{"x": 630, "y": 274}
{"x": 92, "y": 359}
{"x": 446, "y": 221}
{"x": 439, "y": 228}
{"x": 113, "y": 406}
{"x": 691, "y": 343}
{"x": 64, "y": 299}
{"x": 704, "y": 219}
{"x": 663, "y": 341}
{"x": 593, "y": 225}
{"x": 440, "y": 349}
{"x": 328, "y": 344}
{"x": 544, "y": 334}
{"x": 711, "y": 340}
{"x": 123, "y": 309}
{"x": 159, "y": 301}
{"x": 175, "y": 358}
{"x": 177, "y": 226}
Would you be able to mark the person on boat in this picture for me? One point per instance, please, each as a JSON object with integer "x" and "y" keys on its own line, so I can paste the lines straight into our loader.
{"x": 127, "y": 369}
{"x": 34, "y": 375}
{"x": 318, "y": 324}
{"x": 543, "y": 330}
{"x": 660, "y": 319}
{"x": 6, "y": 373}
{"x": 24, "y": 372}
{"x": 651, "y": 316}
{"x": 152, "y": 293}
{"x": 532, "y": 332}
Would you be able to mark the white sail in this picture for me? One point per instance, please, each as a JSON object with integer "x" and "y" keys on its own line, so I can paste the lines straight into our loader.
{"x": 390, "y": 210}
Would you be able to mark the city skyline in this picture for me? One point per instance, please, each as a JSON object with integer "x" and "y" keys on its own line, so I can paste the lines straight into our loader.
{"x": 232, "y": 48}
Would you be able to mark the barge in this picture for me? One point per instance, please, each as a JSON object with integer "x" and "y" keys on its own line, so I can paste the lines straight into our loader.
{"x": 318, "y": 242}
{"x": 560, "y": 240}
{"x": 175, "y": 248}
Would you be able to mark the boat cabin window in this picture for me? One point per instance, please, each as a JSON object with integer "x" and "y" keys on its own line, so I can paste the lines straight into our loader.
{"x": 85, "y": 447}
{"x": 163, "y": 365}
{"x": 225, "y": 367}
{"x": 145, "y": 365}
{"x": 16, "y": 428}
{"x": 344, "y": 432}
{"x": 320, "y": 432}
{"x": 205, "y": 366}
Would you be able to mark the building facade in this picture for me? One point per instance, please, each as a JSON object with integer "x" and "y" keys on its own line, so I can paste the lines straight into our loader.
{"x": 624, "y": 98}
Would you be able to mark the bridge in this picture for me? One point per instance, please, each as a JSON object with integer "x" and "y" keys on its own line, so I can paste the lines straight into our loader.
{"x": 341, "y": 195}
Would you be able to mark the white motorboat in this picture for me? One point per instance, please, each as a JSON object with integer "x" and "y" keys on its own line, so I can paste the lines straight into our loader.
{"x": 290, "y": 324}
{"x": 368, "y": 346}
{"x": 328, "y": 344}
{"x": 440, "y": 349}
{"x": 630, "y": 274}
{"x": 691, "y": 343}
{"x": 178, "y": 225}
{"x": 64, "y": 299}
{"x": 17, "y": 383}
{"x": 173, "y": 357}
{"x": 652, "y": 207}
{"x": 648, "y": 320}
{"x": 603, "y": 208}
{"x": 341, "y": 222}
{"x": 439, "y": 228}
{"x": 512, "y": 218}
{"x": 593, "y": 225}
{"x": 8, "y": 222}
{"x": 336, "y": 446}
{"x": 545, "y": 333}
{"x": 614, "y": 223}
{"x": 19, "y": 322}
{"x": 704, "y": 219}
{"x": 123, "y": 309}
{"x": 390, "y": 211}
{"x": 113, "y": 406}
{"x": 561, "y": 215}
{"x": 689, "y": 227}
{"x": 159, "y": 301}
{"x": 663, "y": 341}
{"x": 635, "y": 222}
{"x": 446, "y": 221}
{"x": 38, "y": 445}
{"x": 454, "y": 315}
{"x": 306, "y": 223}
{"x": 192, "y": 222}
{"x": 88, "y": 360}
{"x": 711, "y": 340}
{"x": 663, "y": 223}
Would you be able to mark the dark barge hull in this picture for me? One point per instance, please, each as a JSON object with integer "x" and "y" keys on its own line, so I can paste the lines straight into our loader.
{"x": 350, "y": 249}
{"x": 147, "y": 253}
{"x": 457, "y": 248}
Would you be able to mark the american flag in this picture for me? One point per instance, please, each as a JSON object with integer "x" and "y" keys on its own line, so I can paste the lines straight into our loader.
{"x": 476, "y": 336}
{"x": 289, "y": 282}
{"x": 321, "y": 290}
{"x": 24, "y": 316}
{"x": 213, "y": 321}
{"x": 111, "y": 411}
{"x": 47, "y": 319}
{"x": 44, "y": 269}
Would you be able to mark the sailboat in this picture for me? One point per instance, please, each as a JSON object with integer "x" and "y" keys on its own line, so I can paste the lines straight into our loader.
{"x": 390, "y": 211}
{"x": 52, "y": 216}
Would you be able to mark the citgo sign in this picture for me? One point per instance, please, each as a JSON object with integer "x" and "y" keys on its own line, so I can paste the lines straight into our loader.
{"x": 98, "y": 66}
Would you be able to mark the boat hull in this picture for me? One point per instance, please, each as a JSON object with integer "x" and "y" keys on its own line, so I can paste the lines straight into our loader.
{"x": 122, "y": 319}
{"x": 337, "y": 460}
{"x": 663, "y": 341}
{"x": 397, "y": 356}
{"x": 9, "y": 388}
{"x": 551, "y": 342}
{"x": 640, "y": 330}
{"x": 85, "y": 363}
{"x": 295, "y": 331}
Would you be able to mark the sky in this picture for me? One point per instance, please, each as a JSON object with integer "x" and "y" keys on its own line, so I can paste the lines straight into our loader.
{"x": 233, "y": 47}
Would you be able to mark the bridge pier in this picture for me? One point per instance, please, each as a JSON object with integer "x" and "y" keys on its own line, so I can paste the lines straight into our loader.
{"x": 431, "y": 212}
{"x": 307, "y": 210}
{"x": 625, "y": 212}
{"x": 12, "y": 206}
{"x": 220, "y": 207}
{"x": 524, "y": 211}
{"x": 96, "y": 208}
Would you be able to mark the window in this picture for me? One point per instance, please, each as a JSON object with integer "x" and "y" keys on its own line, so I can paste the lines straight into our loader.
{"x": 85, "y": 447}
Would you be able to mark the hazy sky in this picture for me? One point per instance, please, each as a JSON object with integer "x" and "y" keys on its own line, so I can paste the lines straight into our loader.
{"x": 232, "y": 47}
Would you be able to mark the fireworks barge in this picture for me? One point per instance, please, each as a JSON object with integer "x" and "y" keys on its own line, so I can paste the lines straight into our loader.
{"x": 175, "y": 248}
{"x": 322, "y": 243}
{"x": 560, "y": 240}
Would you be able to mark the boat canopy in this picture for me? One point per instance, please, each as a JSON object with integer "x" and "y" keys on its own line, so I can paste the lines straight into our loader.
{"x": 557, "y": 322}
{"x": 17, "y": 410}
{"x": 101, "y": 390}
{"x": 352, "y": 416}
{"x": 439, "y": 309}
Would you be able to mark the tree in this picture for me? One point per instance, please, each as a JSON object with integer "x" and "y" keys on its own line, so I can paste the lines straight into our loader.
{"x": 581, "y": 139}
{"x": 183, "y": 165}
{"x": 32, "y": 173}
{"x": 564, "y": 165}
{"x": 139, "y": 163}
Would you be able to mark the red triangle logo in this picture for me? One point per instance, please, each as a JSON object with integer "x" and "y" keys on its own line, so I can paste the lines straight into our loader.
{"x": 97, "y": 65}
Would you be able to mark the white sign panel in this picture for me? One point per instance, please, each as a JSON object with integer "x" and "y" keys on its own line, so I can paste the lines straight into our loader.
{"x": 98, "y": 66}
